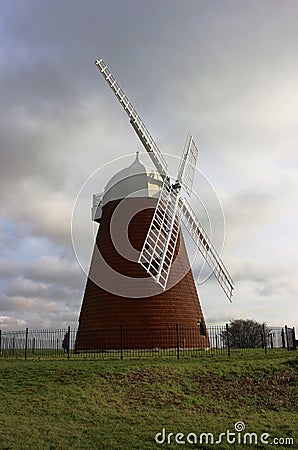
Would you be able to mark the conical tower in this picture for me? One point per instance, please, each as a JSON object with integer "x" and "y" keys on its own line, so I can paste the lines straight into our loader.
{"x": 121, "y": 299}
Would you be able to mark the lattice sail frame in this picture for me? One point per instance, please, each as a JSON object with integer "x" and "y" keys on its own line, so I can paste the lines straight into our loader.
{"x": 159, "y": 246}
{"x": 206, "y": 248}
{"x": 135, "y": 120}
{"x": 187, "y": 168}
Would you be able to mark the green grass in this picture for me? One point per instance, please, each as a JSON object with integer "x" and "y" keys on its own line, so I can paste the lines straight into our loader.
{"x": 116, "y": 404}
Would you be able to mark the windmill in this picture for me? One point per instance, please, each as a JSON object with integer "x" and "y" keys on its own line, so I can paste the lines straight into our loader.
{"x": 158, "y": 247}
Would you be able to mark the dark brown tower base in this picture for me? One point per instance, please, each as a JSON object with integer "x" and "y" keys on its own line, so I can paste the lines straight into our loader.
{"x": 147, "y": 322}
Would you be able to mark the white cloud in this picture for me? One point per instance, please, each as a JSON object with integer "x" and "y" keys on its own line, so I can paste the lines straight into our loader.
{"x": 8, "y": 323}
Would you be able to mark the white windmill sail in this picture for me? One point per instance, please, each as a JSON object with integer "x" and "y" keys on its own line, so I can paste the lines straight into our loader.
{"x": 188, "y": 164}
{"x": 159, "y": 246}
{"x": 205, "y": 246}
{"x": 135, "y": 119}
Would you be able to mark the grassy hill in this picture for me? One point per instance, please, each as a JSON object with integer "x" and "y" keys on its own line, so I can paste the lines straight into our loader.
{"x": 124, "y": 404}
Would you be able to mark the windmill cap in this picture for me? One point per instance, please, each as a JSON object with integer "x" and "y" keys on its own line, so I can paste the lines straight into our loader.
{"x": 136, "y": 180}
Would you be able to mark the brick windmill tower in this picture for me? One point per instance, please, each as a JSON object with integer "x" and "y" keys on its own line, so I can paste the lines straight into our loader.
{"x": 140, "y": 285}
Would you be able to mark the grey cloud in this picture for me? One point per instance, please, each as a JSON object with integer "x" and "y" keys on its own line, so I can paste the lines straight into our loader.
{"x": 225, "y": 70}
{"x": 29, "y": 290}
{"x": 8, "y": 268}
{"x": 11, "y": 323}
{"x": 50, "y": 269}
{"x": 17, "y": 304}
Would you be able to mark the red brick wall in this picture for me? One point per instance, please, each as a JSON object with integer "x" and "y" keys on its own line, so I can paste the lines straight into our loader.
{"x": 105, "y": 310}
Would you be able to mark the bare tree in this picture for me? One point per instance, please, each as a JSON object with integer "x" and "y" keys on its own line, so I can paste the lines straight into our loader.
{"x": 246, "y": 333}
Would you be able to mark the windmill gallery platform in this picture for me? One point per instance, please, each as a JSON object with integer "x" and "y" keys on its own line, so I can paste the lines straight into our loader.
{"x": 135, "y": 188}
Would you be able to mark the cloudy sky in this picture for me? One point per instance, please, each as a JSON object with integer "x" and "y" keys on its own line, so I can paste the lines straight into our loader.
{"x": 225, "y": 69}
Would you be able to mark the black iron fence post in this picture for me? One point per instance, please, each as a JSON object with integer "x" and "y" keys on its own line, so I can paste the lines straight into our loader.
{"x": 287, "y": 338}
{"x": 271, "y": 340}
{"x": 283, "y": 338}
{"x": 0, "y": 341}
{"x": 177, "y": 341}
{"x": 121, "y": 342}
{"x": 68, "y": 342}
{"x": 264, "y": 337}
{"x": 293, "y": 330}
{"x": 228, "y": 340}
{"x": 26, "y": 342}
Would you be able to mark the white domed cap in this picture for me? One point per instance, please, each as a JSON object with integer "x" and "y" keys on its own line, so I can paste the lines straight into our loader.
{"x": 135, "y": 180}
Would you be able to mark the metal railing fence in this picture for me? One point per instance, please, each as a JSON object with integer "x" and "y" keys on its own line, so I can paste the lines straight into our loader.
{"x": 121, "y": 342}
